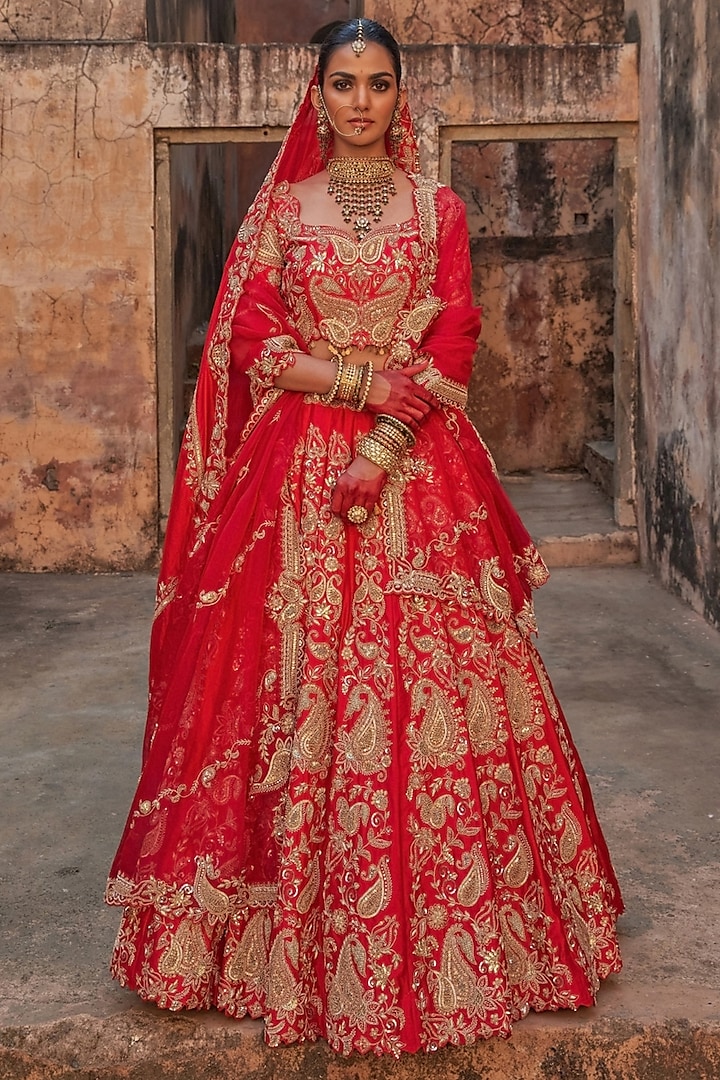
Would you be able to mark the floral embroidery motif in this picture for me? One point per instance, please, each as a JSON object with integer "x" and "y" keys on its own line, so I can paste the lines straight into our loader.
{"x": 383, "y": 803}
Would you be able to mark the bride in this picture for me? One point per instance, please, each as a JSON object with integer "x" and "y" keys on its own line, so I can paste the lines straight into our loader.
{"x": 361, "y": 815}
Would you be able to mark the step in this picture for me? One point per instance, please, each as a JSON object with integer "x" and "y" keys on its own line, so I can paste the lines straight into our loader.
{"x": 570, "y": 519}
{"x": 599, "y": 463}
{"x": 147, "y": 1045}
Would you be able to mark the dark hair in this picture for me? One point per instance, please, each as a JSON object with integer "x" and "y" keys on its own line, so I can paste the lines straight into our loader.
{"x": 346, "y": 33}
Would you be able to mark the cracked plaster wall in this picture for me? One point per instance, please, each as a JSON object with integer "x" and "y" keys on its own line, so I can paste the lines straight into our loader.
{"x": 679, "y": 294}
{"x": 78, "y": 425}
{"x": 501, "y": 22}
{"x": 540, "y": 216}
{"x": 72, "y": 20}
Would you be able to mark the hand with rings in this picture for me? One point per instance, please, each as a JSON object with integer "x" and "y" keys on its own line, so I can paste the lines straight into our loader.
{"x": 357, "y": 491}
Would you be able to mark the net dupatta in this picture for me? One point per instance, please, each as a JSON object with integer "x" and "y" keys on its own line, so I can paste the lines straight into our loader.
{"x": 222, "y": 404}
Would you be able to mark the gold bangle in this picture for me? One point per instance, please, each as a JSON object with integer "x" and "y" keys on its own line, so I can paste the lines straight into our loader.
{"x": 374, "y": 451}
{"x": 329, "y": 398}
{"x": 387, "y": 421}
{"x": 392, "y": 440}
{"x": 350, "y": 384}
{"x": 369, "y": 372}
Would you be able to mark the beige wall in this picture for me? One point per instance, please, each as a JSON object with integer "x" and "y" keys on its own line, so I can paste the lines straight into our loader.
{"x": 506, "y": 22}
{"x": 78, "y": 280}
{"x": 82, "y": 20}
{"x": 679, "y": 294}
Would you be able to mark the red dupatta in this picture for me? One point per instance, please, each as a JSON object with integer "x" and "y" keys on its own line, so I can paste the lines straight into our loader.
{"x": 222, "y": 405}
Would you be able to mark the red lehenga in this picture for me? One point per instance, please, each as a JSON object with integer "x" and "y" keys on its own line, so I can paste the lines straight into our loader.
{"x": 361, "y": 815}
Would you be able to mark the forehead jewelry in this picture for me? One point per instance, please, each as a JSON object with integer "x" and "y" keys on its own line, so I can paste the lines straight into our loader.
{"x": 358, "y": 44}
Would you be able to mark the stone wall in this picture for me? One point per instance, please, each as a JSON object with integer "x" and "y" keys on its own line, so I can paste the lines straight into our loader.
{"x": 540, "y": 217}
{"x": 81, "y": 262}
{"x": 679, "y": 294}
{"x": 501, "y": 22}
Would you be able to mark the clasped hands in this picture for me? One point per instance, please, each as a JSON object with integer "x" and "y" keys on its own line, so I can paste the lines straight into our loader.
{"x": 394, "y": 393}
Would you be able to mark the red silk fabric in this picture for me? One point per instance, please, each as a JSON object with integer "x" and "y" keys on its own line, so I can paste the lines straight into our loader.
{"x": 361, "y": 814}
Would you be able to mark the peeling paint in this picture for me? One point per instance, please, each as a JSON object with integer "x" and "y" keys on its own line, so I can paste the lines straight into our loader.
{"x": 508, "y": 22}
{"x": 679, "y": 268}
{"x": 78, "y": 276}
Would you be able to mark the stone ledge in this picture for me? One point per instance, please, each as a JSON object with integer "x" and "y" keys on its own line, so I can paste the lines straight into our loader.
{"x": 618, "y": 548}
{"x": 181, "y": 1047}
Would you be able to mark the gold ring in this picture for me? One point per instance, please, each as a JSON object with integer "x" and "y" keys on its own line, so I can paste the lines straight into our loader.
{"x": 357, "y": 514}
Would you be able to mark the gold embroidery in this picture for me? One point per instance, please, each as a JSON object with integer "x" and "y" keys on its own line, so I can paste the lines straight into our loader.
{"x": 481, "y": 713}
{"x": 307, "y": 897}
{"x": 277, "y": 773}
{"x": 166, "y": 593}
{"x": 204, "y": 778}
{"x": 346, "y": 997}
{"x": 364, "y": 747}
{"x": 286, "y": 602}
{"x": 312, "y": 740}
{"x": 344, "y": 320}
{"x": 494, "y": 593}
{"x": 269, "y": 251}
{"x": 475, "y": 883}
{"x": 209, "y": 898}
{"x": 437, "y": 737}
{"x": 520, "y": 705}
{"x": 445, "y": 390}
{"x": 414, "y": 323}
{"x": 456, "y": 984}
{"x": 249, "y": 962}
{"x": 284, "y": 991}
{"x": 520, "y": 867}
{"x": 571, "y": 834}
{"x": 516, "y": 953}
{"x": 378, "y": 896}
{"x": 187, "y": 954}
{"x": 394, "y": 521}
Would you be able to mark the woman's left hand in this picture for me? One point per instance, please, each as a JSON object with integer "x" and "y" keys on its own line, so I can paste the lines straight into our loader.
{"x": 360, "y": 485}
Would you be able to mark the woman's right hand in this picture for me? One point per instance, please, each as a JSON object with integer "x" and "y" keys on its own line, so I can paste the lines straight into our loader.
{"x": 393, "y": 392}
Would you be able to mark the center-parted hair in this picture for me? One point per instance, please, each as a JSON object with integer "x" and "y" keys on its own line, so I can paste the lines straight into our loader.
{"x": 347, "y": 33}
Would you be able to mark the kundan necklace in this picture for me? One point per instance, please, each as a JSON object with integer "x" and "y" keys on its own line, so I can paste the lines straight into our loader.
{"x": 362, "y": 186}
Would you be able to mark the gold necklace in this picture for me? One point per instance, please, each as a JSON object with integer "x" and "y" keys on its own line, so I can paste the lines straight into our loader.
{"x": 362, "y": 186}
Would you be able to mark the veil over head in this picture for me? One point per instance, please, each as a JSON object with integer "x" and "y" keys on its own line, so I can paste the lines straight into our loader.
{"x": 222, "y": 403}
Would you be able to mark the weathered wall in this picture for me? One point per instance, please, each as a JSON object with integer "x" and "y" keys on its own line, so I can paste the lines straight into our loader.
{"x": 78, "y": 475}
{"x": 540, "y": 217}
{"x": 78, "y": 463}
{"x": 212, "y": 186}
{"x": 81, "y": 20}
{"x": 679, "y": 294}
{"x": 495, "y": 22}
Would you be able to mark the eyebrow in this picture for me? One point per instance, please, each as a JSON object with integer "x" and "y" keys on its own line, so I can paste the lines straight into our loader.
{"x": 349, "y": 75}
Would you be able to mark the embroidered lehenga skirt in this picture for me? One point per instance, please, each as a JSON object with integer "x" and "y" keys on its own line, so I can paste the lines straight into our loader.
{"x": 361, "y": 816}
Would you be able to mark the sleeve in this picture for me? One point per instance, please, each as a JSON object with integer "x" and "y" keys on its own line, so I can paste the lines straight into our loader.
{"x": 264, "y": 340}
{"x": 450, "y": 340}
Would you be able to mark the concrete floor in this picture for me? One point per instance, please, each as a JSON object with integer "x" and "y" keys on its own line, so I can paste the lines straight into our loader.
{"x": 639, "y": 677}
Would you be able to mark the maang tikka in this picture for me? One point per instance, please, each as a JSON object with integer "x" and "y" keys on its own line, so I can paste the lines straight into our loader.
{"x": 358, "y": 45}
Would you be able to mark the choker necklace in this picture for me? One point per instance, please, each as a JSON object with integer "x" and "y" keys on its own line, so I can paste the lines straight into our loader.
{"x": 362, "y": 186}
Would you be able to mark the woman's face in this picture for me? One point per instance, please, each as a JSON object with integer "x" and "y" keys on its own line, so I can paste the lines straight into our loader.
{"x": 360, "y": 94}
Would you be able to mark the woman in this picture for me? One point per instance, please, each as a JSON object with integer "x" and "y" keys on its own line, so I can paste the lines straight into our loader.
{"x": 360, "y": 815}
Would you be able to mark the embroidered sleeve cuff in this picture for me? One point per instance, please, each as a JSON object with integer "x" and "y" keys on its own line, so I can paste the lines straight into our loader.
{"x": 445, "y": 390}
{"x": 278, "y": 353}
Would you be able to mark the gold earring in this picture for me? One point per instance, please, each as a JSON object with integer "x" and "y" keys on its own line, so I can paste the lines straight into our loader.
{"x": 396, "y": 128}
{"x": 323, "y": 130}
